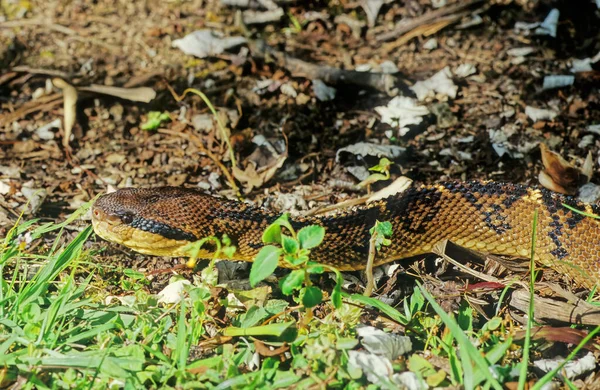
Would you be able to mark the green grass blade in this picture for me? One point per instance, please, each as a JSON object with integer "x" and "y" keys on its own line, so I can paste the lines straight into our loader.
{"x": 39, "y": 284}
{"x": 383, "y": 307}
{"x": 493, "y": 356}
{"x": 276, "y": 330}
{"x": 532, "y": 273}
{"x": 182, "y": 332}
{"x": 463, "y": 341}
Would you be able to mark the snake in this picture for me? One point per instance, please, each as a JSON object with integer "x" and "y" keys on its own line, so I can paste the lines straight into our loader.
{"x": 486, "y": 216}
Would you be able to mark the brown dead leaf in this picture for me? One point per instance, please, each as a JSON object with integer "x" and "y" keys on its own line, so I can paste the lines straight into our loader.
{"x": 575, "y": 106}
{"x": 539, "y": 125}
{"x": 214, "y": 342}
{"x": 253, "y": 178}
{"x": 261, "y": 166}
{"x": 561, "y": 176}
{"x": 565, "y": 335}
{"x": 22, "y": 147}
{"x": 264, "y": 350}
{"x": 515, "y": 385}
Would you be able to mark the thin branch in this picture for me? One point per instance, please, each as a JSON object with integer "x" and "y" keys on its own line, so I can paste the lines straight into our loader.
{"x": 408, "y": 25}
{"x": 383, "y": 82}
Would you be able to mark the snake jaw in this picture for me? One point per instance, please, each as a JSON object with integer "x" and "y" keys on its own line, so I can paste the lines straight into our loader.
{"x": 112, "y": 229}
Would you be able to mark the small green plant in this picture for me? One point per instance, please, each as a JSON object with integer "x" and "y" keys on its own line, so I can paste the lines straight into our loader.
{"x": 294, "y": 249}
{"x": 155, "y": 118}
{"x": 295, "y": 25}
{"x": 379, "y": 237}
{"x": 382, "y": 172}
{"x": 223, "y": 247}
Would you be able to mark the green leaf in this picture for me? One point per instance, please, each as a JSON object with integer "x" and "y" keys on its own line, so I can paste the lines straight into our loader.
{"x": 312, "y": 296}
{"x": 314, "y": 268}
{"x": 419, "y": 364}
{"x": 493, "y": 324}
{"x": 252, "y": 317}
{"x": 295, "y": 260}
{"x": 417, "y": 301}
{"x": 381, "y": 230}
{"x": 311, "y": 236}
{"x": 133, "y": 274}
{"x": 346, "y": 343}
{"x": 465, "y": 317}
{"x": 229, "y": 251}
{"x": 292, "y": 281}
{"x": 265, "y": 263}
{"x": 272, "y": 234}
{"x": 336, "y": 293}
{"x": 290, "y": 245}
{"x": 383, "y": 166}
{"x": 155, "y": 118}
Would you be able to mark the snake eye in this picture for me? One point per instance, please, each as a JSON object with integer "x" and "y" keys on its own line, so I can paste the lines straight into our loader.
{"x": 127, "y": 218}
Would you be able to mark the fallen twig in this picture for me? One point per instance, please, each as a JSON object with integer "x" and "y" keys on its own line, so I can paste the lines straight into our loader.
{"x": 45, "y": 103}
{"x": 380, "y": 81}
{"x": 546, "y": 309}
{"x": 369, "y": 268}
{"x": 48, "y": 72}
{"x": 432, "y": 16}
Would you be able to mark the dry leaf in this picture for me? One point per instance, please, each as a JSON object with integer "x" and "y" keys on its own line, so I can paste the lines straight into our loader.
{"x": 206, "y": 43}
{"x": 69, "y": 104}
{"x": 261, "y": 165}
{"x": 253, "y": 178}
{"x": 264, "y": 350}
{"x": 398, "y": 186}
{"x": 561, "y": 176}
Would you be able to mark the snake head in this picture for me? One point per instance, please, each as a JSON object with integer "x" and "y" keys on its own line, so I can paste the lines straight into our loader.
{"x": 150, "y": 221}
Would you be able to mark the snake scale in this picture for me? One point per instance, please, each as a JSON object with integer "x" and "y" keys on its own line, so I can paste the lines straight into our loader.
{"x": 491, "y": 217}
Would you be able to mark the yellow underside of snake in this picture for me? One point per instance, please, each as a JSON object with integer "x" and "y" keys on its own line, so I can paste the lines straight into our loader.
{"x": 490, "y": 217}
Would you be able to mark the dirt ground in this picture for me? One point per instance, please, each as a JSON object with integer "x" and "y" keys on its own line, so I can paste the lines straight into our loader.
{"x": 284, "y": 139}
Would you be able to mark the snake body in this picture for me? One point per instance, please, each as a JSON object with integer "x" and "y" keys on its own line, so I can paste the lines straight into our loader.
{"x": 491, "y": 217}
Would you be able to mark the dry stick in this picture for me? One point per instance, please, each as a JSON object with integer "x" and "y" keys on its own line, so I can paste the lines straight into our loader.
{"x": 424, "y": 30}
{"x": 411, "y": 24}
{"x": 380, "y": 81}
{"x": 369, "y": 267}
{"x": 547, "y": 309}
{"x": 45, "y": 103}
{"x": 48, "y": 72}
{"x": 440, "y": 250}
{"x": 341, "y": 205}
{"x": 38, "y": 22}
